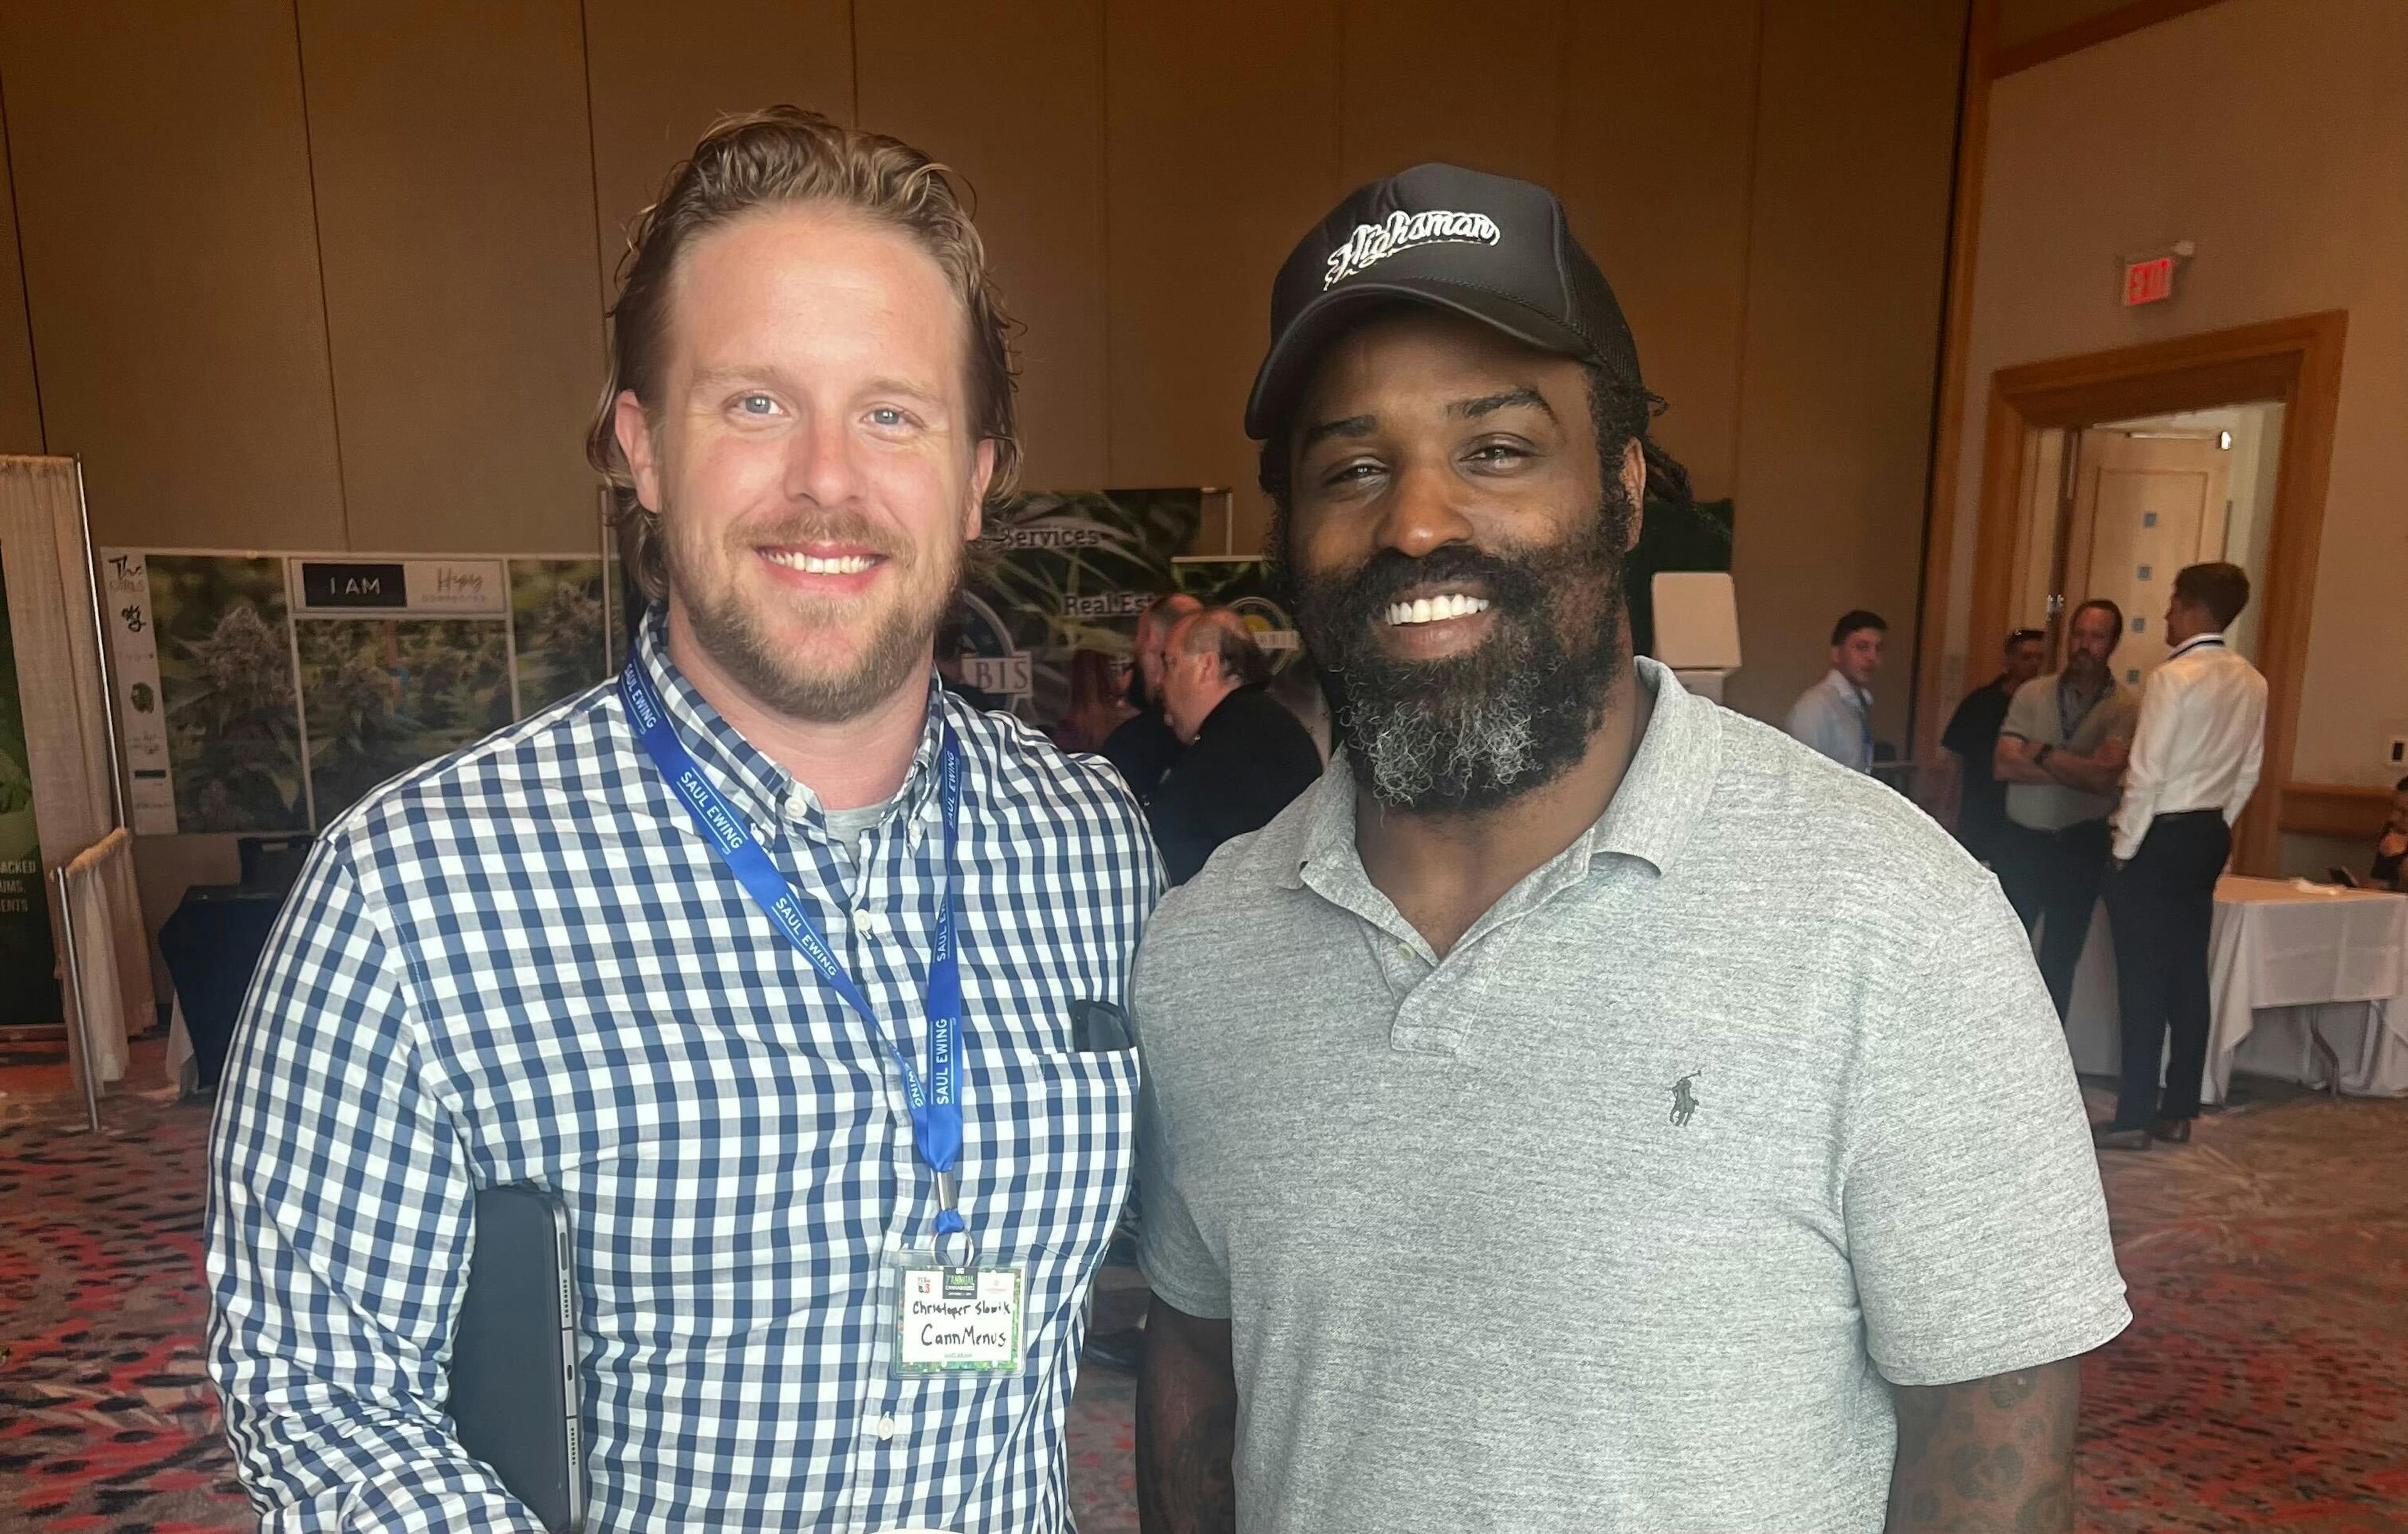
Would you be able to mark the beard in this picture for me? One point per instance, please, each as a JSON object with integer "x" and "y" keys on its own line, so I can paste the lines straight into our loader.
{"x": 1474, "y": 731}
{"x": 829, "y": 683}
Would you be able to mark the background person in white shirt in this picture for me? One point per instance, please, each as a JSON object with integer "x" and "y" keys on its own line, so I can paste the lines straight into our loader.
{"x": 1835, "y": 716}
{"x": 2195, "y": 760}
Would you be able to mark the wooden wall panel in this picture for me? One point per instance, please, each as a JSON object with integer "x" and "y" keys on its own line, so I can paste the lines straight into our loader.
{"x": 1222, "y": 149}
{"x": 1659, "y": 151}
{"x": 660, "y": 73}
{"x": 2027, "y": 20}
{"x": 1415, "y": 89}
{"x": 163, "y": 197}
{"x": 456, "y": 198}
{"x": 1845, "y": 261}
{"x": 21, "y": 406}
{"x": 1011, "y": 92}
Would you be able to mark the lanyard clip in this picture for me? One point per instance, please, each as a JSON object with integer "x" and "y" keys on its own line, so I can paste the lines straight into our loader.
{"x": 949, "y": 1192}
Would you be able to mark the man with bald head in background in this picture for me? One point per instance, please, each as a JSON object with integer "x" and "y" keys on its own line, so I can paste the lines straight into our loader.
{"x": 1143, "y": 747}
{"x": 1246, "y": 756}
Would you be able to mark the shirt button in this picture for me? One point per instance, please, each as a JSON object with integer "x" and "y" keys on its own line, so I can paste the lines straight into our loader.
{"x": 799, "y": 806}
{"x": 885, "y": 1429}
{"x": 874, "y": 923}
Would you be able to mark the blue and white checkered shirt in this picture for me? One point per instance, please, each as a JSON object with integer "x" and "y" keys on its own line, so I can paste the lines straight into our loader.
{"x": 523, "y": 963}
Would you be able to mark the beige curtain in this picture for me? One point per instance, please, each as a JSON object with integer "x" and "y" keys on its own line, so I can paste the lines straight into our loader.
{"x": 113, "y": 978}
{"x": 59, "y": 678}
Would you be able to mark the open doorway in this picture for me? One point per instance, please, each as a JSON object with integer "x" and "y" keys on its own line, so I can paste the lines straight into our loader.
{"x": 2102, "y": 475}
{"x": 2117, "y": 507}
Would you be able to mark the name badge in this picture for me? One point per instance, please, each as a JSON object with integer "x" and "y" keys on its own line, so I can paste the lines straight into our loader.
{"x": 957, "y": 1321}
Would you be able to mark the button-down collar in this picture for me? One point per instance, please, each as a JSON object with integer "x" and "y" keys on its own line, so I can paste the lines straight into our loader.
{"x": 1860, "y": 698}
{"x": 1662, "y": 793}
{"x": 765, "y": 792}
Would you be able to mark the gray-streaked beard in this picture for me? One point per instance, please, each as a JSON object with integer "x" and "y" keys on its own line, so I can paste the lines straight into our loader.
{"x": 1455, "y": 754}
{"x": 1474, "y": 731}
{"x": 732, "y": 633}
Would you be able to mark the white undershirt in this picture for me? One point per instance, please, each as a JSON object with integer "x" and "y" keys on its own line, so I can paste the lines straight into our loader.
{"x": 848, "y": 827}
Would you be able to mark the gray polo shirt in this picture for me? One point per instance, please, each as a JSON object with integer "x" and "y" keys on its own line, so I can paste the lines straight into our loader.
{"x": 2038, "y": 713}
{"x": 1622, "y": 1215}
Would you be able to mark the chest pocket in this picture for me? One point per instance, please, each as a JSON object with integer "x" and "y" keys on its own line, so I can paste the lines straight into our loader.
{"x": 1047, "y": 1167}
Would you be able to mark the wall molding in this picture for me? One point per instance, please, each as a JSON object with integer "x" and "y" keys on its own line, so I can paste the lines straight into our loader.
{"x": 2090, "y": 33}
{"x": 2295, "y": 360}
{"x": 2332, "y": 810}
{"x": 1928, "y": 710}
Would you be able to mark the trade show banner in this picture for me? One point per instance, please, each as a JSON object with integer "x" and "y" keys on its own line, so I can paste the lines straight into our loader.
{"x": 559, "y": 629}
{"x": 29, "y": 986}
{"x": 1066, "y": 572}
{"x": 265, "y": 693}
{"x": 400, "y": 663}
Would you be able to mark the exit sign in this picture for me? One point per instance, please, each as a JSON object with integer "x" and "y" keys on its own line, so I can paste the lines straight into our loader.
{"x": 2150, "y": 282}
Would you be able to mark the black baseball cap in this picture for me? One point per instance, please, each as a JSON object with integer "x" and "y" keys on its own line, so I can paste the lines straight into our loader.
{"x": 1496, "y": 250}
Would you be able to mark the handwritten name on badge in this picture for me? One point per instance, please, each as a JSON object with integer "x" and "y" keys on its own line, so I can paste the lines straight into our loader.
{"x": 957, "y": 1322}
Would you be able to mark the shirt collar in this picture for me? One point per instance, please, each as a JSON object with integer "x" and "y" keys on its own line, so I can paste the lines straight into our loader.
{"x": 2199, "y": 642}
{"x": 1838, "y": 681}
{"x": 765, "y": 791}
{"x": 1662, "y": 796}
{"x": 1218, "y": 708}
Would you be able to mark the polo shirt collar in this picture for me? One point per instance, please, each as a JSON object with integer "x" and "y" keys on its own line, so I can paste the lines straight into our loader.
{"x": 763, "y": 791}
{"x": 1661, "y": 798}
{"x": 1670, "y": 777}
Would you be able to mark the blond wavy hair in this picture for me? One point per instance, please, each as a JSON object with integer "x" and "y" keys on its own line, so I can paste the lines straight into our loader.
{"x": 786, "y": 156}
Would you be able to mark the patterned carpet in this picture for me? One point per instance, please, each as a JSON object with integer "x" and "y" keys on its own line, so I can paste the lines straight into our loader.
{"x": 2264, "y": 1384}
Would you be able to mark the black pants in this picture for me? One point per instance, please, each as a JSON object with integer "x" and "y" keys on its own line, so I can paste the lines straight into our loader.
{"x": 2161, "y": 908}
{"x": 2052, "y": 880}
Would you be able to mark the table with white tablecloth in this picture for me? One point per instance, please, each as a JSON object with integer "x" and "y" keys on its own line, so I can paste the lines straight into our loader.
{"x": 2289, "y": 964}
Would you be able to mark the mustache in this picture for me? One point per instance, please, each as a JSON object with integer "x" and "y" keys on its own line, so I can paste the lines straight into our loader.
{"x": 1512, "y": 581}
{"x": 821, "y": 527}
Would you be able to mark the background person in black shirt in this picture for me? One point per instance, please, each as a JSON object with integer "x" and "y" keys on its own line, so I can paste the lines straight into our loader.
{"x": 1972, "y": 738}
{"x": 1143, "y": 748}
{"x": 1246, "y": 756}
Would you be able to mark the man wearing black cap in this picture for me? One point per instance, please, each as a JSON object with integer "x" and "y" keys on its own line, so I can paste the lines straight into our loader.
{"x": 1585, "y": 1108}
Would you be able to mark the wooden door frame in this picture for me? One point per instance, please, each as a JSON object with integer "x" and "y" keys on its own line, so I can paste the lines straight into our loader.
{"x": 2295, "y": 360}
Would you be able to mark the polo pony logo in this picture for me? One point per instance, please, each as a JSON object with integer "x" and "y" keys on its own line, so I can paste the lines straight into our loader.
{"x": 1685, "y": 1098}
{"x": 1401, "y": 231}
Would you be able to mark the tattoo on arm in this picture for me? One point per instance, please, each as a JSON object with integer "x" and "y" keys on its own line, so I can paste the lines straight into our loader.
{"x": 1987, "y": 1456}
{"x": 1186, "y": 1426}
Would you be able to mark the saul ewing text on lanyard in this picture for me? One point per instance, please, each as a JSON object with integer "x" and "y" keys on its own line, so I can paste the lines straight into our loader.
{"x": 935, "y": 1097}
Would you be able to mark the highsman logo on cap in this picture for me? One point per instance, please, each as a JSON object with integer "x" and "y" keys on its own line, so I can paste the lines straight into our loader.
{"x": 1373, "y": 243}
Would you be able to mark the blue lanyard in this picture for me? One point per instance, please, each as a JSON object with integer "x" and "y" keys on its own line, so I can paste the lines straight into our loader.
{"x": 935, "y": 1098}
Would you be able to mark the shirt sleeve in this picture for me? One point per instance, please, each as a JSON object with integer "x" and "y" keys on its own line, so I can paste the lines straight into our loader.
{"x": 1976, "y": 1223}
{"x": 2145, "y": 771}
{"x": 2253, "y": 762}
{"x": 1177, "y": 1260}
{"x": 1962, "y": 736}
{"x": 1813, "y": 722}
{"x": 337, "y": 1240}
